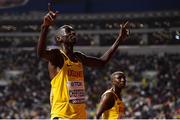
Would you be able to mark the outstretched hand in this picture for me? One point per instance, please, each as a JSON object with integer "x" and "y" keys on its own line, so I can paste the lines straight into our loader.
{"x": 124, "y": 31}
{"x": 50, "y": 17}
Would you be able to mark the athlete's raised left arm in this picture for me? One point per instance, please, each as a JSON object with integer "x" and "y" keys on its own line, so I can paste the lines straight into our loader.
{"x": 98, "y": 62}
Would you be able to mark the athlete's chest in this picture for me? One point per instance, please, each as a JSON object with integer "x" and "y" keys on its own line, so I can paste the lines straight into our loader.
{"x": 72, "y": 70}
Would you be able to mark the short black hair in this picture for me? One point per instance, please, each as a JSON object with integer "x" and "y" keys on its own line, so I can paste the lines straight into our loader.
{"x": 66, "y": 28}
{"x": 117, "y": 72}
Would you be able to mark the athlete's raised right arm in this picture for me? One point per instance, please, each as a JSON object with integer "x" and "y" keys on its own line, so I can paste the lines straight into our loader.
{"x": 48, "y": 20}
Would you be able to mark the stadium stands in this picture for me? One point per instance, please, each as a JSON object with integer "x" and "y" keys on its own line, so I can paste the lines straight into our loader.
{"x": 150, "y": 57}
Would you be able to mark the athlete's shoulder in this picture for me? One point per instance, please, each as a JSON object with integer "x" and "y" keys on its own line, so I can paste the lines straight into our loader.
{"x": 107, "y": 93}
{"x": 108, "y": 98}
{"x": 55, "y": 50}
{"x": 110, "y": 94}
{"x": 78, "y": 53}
{"x": 57, "y": 57}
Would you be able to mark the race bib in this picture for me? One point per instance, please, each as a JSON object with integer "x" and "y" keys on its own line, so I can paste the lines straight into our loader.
{"x": 76, "y": 91}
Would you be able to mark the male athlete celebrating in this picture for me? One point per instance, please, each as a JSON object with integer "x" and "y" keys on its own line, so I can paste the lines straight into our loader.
{"x": 66, "y": 68}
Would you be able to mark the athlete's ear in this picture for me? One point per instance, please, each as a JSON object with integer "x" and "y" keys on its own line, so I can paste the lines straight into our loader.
{"x": 59, "y": 39}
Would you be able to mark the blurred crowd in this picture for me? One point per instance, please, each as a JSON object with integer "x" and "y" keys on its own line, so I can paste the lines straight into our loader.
{"x": 156, "y": 28}
{"x": 152, "y": 92}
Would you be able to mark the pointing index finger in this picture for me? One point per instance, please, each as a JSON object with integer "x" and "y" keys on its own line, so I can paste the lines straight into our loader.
{"x": 49, "y": 7}
{"x": 54, "y": 13}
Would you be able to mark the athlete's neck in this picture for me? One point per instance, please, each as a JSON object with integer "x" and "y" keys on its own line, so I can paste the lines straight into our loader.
{"x": 117, "y": 91}
{"x": 68, "y": 50}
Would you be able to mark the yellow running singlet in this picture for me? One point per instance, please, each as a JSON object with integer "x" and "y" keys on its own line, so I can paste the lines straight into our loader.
{"x": 68, "y": 91}
{"x": 117, "y": 111}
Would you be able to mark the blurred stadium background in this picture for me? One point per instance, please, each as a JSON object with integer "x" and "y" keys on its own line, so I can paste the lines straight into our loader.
{"x": 150, "y": 57}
